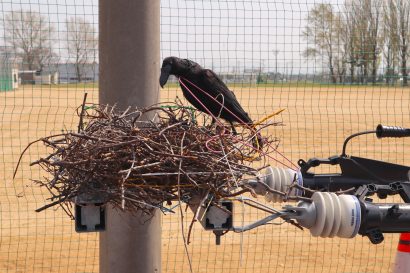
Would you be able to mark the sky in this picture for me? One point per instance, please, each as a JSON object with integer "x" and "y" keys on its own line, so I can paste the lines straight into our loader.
{"x": 235, "y": 35}
{"x": 225, "y": 35}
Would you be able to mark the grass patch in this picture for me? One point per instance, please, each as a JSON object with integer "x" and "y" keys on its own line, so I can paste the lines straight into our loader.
{"x": 174, "y": 85}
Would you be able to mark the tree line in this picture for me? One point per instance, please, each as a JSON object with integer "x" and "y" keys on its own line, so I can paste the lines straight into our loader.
{"x": 354, "y": 41}
{"x": 359, "y": 38}
{"x": 31, "y": 38}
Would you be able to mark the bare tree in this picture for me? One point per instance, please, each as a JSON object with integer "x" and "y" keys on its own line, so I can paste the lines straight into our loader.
{"x": 82, "y": 44}
{"x": 276, "y": 52}
{"x": 391, "y": 39}
{"x": 323, "y": 30}
{"x": 374, "y": 37}
{"x": 350, "y": 39}
{"x": 29, "y": 34}
{"x": 403, "y": 17}
{"x": 342, "y": 45}
{"x": 366, "y": 15}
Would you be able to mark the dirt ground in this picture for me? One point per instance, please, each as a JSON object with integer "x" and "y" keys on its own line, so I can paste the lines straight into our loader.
{"x": 316, "y": 121}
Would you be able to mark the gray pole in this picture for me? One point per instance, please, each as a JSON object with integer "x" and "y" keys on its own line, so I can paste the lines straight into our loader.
{"x": 129, "y": 70}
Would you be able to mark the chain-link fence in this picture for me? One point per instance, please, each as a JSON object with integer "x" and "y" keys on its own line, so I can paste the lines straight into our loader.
{"x": 337, "y": 67}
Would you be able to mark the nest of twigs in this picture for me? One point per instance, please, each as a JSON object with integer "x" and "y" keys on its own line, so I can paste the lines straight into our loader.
{"x": 140, "y": 158}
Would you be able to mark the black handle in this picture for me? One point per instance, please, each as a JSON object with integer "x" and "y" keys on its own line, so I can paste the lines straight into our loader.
{"x": 391, "y": 131}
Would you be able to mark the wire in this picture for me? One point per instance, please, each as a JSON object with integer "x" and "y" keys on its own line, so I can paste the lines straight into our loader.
{"x": 352, "y": 136}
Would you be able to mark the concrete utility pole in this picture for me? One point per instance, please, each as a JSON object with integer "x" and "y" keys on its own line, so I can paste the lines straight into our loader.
{"x": 129, "y": 70}
{"x": 276, "y": 52}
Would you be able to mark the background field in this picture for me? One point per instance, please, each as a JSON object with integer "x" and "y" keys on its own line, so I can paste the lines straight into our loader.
{"x": 316, "y": 121}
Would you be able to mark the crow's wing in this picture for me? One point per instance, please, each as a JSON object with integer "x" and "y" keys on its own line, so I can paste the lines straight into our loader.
{"x": 216, "y": 86}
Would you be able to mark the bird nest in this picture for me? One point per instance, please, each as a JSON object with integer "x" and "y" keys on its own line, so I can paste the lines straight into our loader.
{"x": 140, "y": 159}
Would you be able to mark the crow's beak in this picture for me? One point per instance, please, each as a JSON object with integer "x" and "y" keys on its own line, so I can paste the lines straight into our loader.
{"x": 163, "y": 78}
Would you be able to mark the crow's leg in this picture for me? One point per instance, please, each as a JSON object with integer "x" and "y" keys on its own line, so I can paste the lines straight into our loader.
{"x": 233, "y": 128}
{"x": 213, "y": 124}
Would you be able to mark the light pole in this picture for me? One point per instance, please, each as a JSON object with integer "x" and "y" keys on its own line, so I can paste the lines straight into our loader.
{"x": 276, "y": 52}
{"x": 129, "y": 70}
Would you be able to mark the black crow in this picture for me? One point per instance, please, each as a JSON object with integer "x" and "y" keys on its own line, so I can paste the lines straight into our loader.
{"x": 205, "y": 90}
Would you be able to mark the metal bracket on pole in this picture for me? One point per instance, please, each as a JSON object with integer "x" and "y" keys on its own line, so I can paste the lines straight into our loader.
{"x": 219, "y": 219}
{"x": 89, "y": 218}
{"x": 90, "y": 213}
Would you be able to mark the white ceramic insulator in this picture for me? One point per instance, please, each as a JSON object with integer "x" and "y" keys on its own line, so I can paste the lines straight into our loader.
{"x": 336, "y": 215}
{"x": 280, "y": 179}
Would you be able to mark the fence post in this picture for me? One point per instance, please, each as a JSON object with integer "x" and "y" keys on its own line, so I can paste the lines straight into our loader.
{"x": 129, "y": 70}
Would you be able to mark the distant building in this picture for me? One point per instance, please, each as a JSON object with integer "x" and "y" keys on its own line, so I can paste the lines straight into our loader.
{"x": 46, "y": 78}
{"x": 401, "y": 79}
{"x": 67, "y": 73}
{"x": 248, "y": 76}
{"x": 26, "y": 76}
{"x": 38, "y": 77}
{"x": 59, "y": 73}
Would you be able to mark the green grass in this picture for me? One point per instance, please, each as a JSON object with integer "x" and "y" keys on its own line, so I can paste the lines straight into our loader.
{"x": 63, "y": 85}
{"x": 311, "y": 84}
{"x": 303, "y": 84}
{"x": 293, "y": 84}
